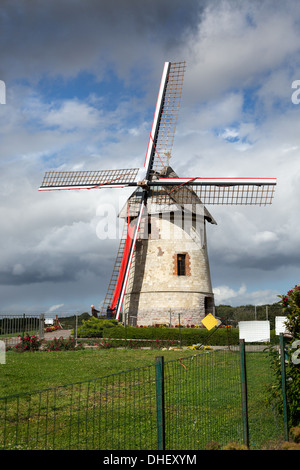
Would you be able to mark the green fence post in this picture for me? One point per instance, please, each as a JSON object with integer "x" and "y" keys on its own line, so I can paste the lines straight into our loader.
{"x": 283, "y": 387}
{"x": 160, "y": 402}
{"x": 244, "y": 393}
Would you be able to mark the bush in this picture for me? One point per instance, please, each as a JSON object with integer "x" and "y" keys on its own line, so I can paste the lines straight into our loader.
{"x": 62, "y": 344}
{"x": 213, "y": 446}
{"x": 295, "y": 434}
{"x": 102, "y": 328}
{"x": 235, "y": 446}
{"x": 291, "y": 307}
{"x": 131, "y": 344}
{"x": 93, "y": 327}
{"x": 28, "y": 343}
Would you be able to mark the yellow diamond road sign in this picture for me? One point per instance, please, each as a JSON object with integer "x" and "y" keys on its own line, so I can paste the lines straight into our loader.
{"x": 209, "y": 321}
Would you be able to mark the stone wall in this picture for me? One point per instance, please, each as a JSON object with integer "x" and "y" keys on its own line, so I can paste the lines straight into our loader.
{"x": 155, "y": 291}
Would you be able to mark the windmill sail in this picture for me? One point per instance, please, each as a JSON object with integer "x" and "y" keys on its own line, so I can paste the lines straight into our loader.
{"x": 161, "y": 184}
{"x": 108, "y": 300}
{"x": 127, "y": 258}
{"x": 157, "y": 156}
{"x": 118, "y": 281}
{"x": 237, "y": 191}
{"x": 56, "y": 180}
{"x": 165, "y": 118}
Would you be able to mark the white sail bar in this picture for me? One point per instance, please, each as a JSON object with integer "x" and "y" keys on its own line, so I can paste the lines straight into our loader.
{"x": 165, "y": 119}
{"x": 156, "y": 118}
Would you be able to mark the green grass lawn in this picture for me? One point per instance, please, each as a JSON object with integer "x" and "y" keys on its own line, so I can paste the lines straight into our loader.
{"x": 108, "y": 408}
{"x": 28, "y": 371}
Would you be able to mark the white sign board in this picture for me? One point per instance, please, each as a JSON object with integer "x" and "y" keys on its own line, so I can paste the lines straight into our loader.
{"x": 254, "y": 331}
{"x": 280, "y": 326}
{"x": 2, "y": 352}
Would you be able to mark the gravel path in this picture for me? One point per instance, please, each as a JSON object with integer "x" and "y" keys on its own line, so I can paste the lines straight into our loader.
{"x": 57, "y": 334}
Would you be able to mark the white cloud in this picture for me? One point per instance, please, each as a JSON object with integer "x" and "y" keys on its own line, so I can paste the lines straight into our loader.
{"x": 54, "y": 308}
{"x": 265, "y": 237}
{"x": 72, "y": 115}
{"x": 228, "y": 296}
{"x": 236, "y": 119}
{"x": 223, "y": 293}
{"x": 238, "y": 45}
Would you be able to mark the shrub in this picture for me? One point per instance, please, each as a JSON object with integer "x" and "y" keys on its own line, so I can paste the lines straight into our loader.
{"x": 213, "y": 446}
{"x": 131, "y": 344}
{"x": 28, "y": 343}
{"x": 93, "y": 327}
{"x": 291, "y": 307}
{"x": 62, "y": 344}
{"x": 106, "y": 345}
{"x": 295, "y": 443}
{"x": 295, "y": 434}
{"x": 99, "y": 328}
{"x": 235, "y": 446}
{"x": 230, "y": 446}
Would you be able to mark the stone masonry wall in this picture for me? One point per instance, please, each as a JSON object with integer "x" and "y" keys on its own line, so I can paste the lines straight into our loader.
{"x": 155, "y": 291}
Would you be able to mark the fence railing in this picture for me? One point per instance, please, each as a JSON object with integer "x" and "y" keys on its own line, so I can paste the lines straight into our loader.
{"x": 14, "y": 326}
{"x": 181, "y": 404}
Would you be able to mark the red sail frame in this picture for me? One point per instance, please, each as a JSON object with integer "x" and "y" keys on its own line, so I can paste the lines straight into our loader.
{"x": 129, "y": 238}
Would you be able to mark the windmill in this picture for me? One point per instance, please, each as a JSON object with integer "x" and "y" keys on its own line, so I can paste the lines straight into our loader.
{"x": 155, "y": 276}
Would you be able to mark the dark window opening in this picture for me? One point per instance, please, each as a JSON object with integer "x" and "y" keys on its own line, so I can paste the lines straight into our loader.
{"x": 181, "y": 265}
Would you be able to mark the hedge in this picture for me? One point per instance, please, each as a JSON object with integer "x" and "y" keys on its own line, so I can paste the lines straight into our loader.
{"x": 188, "y": 336}
{"x": 99, "y": 328}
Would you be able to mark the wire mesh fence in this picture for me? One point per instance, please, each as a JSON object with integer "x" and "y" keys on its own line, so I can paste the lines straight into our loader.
{"x": 114, "y": 412}
{"x": 200, "y": 404}
{"x": 202, "y": 400}
{"x": 266, "y": 425}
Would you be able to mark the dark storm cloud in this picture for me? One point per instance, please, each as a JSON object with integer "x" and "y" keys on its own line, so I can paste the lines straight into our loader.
{"x": 65, "y": 37}
{"x": 48, "y": 242}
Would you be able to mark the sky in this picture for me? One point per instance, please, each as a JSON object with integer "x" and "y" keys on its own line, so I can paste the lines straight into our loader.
{"x": 79, "y": 82}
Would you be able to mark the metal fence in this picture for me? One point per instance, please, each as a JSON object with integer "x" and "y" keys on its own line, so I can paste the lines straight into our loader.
{"x": 12, "y": 327}
{"x": 182, "y": 404}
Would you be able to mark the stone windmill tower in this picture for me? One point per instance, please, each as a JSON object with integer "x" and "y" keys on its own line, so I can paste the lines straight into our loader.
{"x": 162, "y": 269}
{"x": 170, "y": 273}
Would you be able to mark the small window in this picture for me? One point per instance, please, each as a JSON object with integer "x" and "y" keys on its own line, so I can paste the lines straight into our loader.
{"x": 181, "y": 265}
